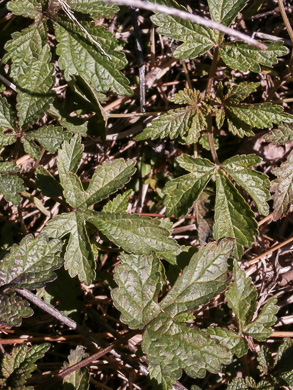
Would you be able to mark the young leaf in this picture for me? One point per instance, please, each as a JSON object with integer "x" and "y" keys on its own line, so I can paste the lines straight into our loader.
{"x": 50, "y": 137}
{"x": 28, "y": 8}
{"x": 260, "y": 329}
{"x": 79, "y": 56}
{"x": 69, "y": 157}
{"x": 203, "y": 278}
{"x": 139, "y": 279}
{"x": 197, "y": 39}
{"x": 135, "y": 234}
{"x": 172, "y": 347}
{"x": 281, "y": 135}
{"x": 233, "y": 216}
{"x": 224, "y": 11}
{"x": 282, "y": 187}
{"x": 10, "y": 185}
{"x": 7, "y": 116}
{"x": 78, "y": 258}
{"x": 34, "y": 89}
{"x": 243, "y": 57}
{"x": 255, "y": 183}
{"x": 119, "y": 204}
{"x": 95, "y": 8}
{"x": 18, "y": 366}
{"x": 26, "y": 267}
{"x": 229, "y": 339}
{"x": 79, "y": 379}
{"x": 241, "y": 296}
{"x": 13, "y": 308}
{"x": 185, "y": 123}
{"x": 184, "y": 190}
{"x": 107, "y": 179}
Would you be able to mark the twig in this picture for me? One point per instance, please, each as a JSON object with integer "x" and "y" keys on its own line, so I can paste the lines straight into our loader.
{"x": 8, "y": 83}
{"x": 285, "y": 19}
{"x": 191, "y": 17}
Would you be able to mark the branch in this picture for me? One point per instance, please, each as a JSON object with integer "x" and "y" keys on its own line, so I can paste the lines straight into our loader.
{"x": 191, "y": 17}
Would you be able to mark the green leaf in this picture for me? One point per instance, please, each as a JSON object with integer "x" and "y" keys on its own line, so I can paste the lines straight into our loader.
{"x": 239, "y": 92}
{"x": 119, "y": 204}
{"x": 26, "y": 267}
{"x": 50, "y": 137}
{"x": 282, "y": 187}
{"x": 229, "y": 339}
{"x": 7, "y": 139}
{"x": 80, "y": 56}
{"x": 182, "y": 192}
{"x": 31, "y": 148}
{"x": 243, "y": 57}
{"x": 281, "y": 135}
{"x": 185, "y": 123}
{"x": 283, "y": 369}
{"x": 18, "y": 366}
{"x": 241, "y": 296}
{"x": 78, "y": 258}
{"x": 224, "y": 11}
{"x": 197, "y": 39}
{"x": 255, "y": 183}
{"x": 172, "y": 347}
{"x": 260, "y": 329}
{"x": 233, "y": 216}
{"x": 13, "y": 309}
{"x": 134, "y": 234}
{"x": 139, "y": 279}
{"x": 25, "y": 47}
{"x": 35, "y": 89}
{"x": 95, "y": 8}
{"x": 7, "y": 116}
{"x": 78, "y": 379}
{"x": 10, "y": 185}
{"x": 265, "y": 360}
{"x": 107, "y": 179}
{"x": 28, "y": 8}
{"x": 69, "y": 157}
{"x": 203, "y": 278}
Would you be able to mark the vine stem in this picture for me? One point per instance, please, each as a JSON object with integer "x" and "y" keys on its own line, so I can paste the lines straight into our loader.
{"x": 191, "y": 17}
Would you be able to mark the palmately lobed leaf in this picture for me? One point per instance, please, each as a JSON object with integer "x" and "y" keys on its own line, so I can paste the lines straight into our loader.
{"x": 69, "y": 157}
{"x": 282, "y": 187}
{"x": 119, "y": 204}
{"x": 281, "y": 135}
{"x": 235, "y": 343}
{"x": 224, "y": 11}
{"x": 95, "y": 8}
{"x": 31, "y": 263}
{"x": 28, "y": 8}
{"x": 139, "y": 279}
{"x": 172, "y": 347}
{"x": 80, "y": 56}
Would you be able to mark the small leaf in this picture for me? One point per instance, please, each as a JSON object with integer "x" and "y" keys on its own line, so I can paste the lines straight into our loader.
{"x": 283, "y": 368}
{"x": 185, "y": 123}
{"x": 281, "y": 135}
{"x": 203, "y": 278}
{"x": 79, "y": 379}
{"x": 282, "y": 187}
{"x": 172, "y": 347}
{"x": 28, "y": 8}
{"x": 31, "y": 263}
{"x": 10, "y": 185}
{"x": 255, "y": 183}
{"x": 224, "y": 11}
{"x": 95, "y": 8}
{"x": 69, "y": 157}
{"x": 7, "y": 116}
{"x": 80, "y": 56}
{"x": 197, "y": 39}
{"x": 243, "y": 57}
{"x": 139, "y": 279}
{"x": 13, "y": 309}
{"x": 78, "y": 258}
{"x": 119, "y": 204}
{"x": 241, "y": 296}
{"x": 35, "y": 89}
{"x": 233, "y": 216}
{"x": 134, "y": 234}
{"x": 182, "y": 192}
{"x": 260, "y": 329}
{"x": 229, "y": 339}
{"x": 7, "y": 139}
{"x": 18, "y": 366}
{"x": 31, "y": 148}
{"x": 50, "y": 137}
{"x": 265, "y": 360}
